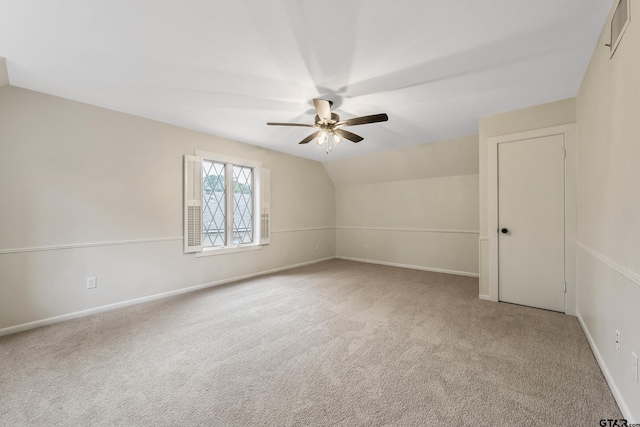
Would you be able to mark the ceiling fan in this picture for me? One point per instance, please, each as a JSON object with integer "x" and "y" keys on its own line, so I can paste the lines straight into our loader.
{"x": 330, "y": 127}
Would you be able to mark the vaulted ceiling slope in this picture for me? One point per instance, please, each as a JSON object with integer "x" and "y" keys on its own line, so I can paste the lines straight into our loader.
{"x": 228, "y": 67}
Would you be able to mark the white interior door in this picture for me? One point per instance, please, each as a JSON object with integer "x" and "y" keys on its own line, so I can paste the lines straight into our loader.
{"x": 531, "y": 222}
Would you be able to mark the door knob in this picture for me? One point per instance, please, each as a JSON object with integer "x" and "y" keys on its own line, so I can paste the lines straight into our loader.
{"x": 504, "y": 231}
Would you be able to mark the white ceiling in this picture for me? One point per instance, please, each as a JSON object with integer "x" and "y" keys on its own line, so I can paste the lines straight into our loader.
{"x": 227, "y": 67}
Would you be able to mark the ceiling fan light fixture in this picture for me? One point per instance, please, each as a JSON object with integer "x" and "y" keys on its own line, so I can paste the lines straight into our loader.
{"x": 323, "y": 137}
{"x": 337, "y": 139}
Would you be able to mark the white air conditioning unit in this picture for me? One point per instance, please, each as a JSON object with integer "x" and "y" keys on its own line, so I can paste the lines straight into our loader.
{"x": 619, "y": 23}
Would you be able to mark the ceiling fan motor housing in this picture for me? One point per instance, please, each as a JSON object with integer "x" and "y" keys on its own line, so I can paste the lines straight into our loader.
{"x": 334, "y": 119}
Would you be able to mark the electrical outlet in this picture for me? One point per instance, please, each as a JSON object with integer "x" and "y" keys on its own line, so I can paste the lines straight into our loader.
{"x": 618, "y": 343}
{"x": 367, "y": 247}
{"x": 634, "y": 360}
{"x": 317, "y": 246}
{"x": 92, "y": 282}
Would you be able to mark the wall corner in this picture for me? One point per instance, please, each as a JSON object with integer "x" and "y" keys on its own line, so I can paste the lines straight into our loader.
{"x": 4, "y": 74}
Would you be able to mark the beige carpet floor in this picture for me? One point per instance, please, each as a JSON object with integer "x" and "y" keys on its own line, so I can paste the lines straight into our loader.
{"x": 332, "y": 344}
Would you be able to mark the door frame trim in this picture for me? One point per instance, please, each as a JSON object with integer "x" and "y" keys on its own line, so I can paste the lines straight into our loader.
{"x": 569, "y": 132}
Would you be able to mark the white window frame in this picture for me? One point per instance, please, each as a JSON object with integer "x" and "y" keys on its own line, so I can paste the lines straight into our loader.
{"x": 260, "y": 203}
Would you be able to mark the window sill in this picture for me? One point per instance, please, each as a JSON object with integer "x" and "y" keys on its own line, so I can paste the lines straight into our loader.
{"x": 228, "y": 250}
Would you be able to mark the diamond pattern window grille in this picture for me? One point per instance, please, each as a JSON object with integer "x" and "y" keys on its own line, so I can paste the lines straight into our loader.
{"x": 214, "y": 204}
{"x": 242, "y": 205}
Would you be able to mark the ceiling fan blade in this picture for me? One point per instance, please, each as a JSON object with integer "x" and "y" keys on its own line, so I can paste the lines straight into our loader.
{"x": 323, "y": 108}
{"x": 374, "y": 118}
{"x": 348, "y": 135}
{"x": 309, "y": 138}
{"x": 291, "y": 124}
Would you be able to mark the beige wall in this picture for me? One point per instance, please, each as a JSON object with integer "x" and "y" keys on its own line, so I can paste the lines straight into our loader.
{"x": 537, "y": 117}
{"x": 4, "y": 76}
{"x": 91, "y": 192}
{"x": 608, "y": 112}
{"x": 415, "y": 207}
{"x": 452, "y": 157}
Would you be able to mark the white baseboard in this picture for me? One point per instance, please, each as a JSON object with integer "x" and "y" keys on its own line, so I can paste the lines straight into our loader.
{"x": 103, "y": 308}
{"x": 626, "y": 413}
{"x": 413, "y": 267}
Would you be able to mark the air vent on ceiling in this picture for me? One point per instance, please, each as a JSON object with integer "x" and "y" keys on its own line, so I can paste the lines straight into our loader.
{"x": 619, "y": 23}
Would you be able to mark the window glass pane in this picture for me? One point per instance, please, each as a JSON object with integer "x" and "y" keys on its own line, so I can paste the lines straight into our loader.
{"x": 242, "y": 205}
{"x": 213, "y": 204}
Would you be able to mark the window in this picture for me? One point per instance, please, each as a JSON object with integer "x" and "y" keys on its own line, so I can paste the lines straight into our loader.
{"x": 222, "y": 198}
